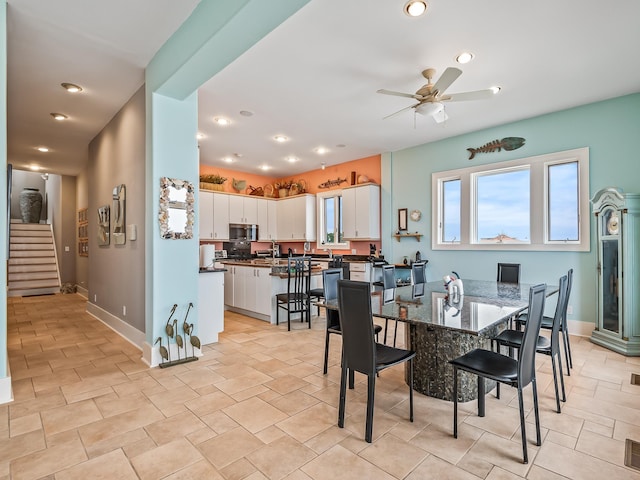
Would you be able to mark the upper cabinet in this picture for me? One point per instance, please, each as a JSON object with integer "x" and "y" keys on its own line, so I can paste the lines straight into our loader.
{"x": 243, "y": 209}
{"x": 267, "y": 220}
{"x": 361, "y": 212}
{"x": 297, "y": 218}
{"x": 213, "y": 215}
{"x": 205, "y": 215}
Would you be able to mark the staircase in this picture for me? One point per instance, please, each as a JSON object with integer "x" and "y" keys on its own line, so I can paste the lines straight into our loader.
{"x": 33, "y": 266}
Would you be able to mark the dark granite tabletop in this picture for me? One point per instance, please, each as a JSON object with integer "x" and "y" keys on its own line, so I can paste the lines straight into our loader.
{"x": 483, "y": 305}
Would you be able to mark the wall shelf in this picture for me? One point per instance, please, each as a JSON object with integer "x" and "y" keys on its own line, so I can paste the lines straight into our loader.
{"x": 399, "y": 236}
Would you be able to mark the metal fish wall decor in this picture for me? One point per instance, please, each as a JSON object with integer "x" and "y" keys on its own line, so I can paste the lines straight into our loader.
{"x": 332, "y": 183}
{"x": 508, "y": 143}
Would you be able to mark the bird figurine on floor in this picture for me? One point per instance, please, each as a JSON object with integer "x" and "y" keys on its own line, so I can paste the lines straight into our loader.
{"x": 195, "y": 341}
{"x": 168, "y": 328}
{"x": 164, "y": 353}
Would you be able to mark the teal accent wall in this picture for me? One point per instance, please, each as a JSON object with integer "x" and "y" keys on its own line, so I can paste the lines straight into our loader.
{"x": 610, "y": 130}
{"x": 3, "y": 179}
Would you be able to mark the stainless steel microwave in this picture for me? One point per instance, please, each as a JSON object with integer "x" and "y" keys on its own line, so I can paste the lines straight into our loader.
{"x": 238, "y": 231}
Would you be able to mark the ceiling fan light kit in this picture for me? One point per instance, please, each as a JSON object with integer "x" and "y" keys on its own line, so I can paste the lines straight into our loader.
{"x": 431, "y": 96}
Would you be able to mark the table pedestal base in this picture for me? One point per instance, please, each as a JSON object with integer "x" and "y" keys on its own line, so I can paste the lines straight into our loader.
{"x": 434, "y": 347}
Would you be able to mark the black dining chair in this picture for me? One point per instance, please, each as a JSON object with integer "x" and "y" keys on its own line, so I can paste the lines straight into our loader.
{"x": 360, "y": 352}
{"x": 296, "y": 299}
{"x": 509, "y": 272}
{"x": 504, "y": 369}
{"x": 547, "y": 324}
{"x": 318, "y": 293}
{"x": 513, "y": 339}
{"x": 330, "y": 279}
{"x": 389, "y": 285}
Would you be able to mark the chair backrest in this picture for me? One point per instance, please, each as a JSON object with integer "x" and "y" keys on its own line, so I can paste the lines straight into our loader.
{"x": 509, "y": 272}
{"x": 560, "y": 313}
{"x": 526, "y": 358}
{"x": 356, "y": 323}
{"x": 336, "y": 261}
{"x": 299, "y": 281}
{"x": 388, "y": 276}
{"x": 418, "y": 272}
{"x": 417, "y": 290}
{"x": 330, "y": 278}
{"x": 569, "y": 284}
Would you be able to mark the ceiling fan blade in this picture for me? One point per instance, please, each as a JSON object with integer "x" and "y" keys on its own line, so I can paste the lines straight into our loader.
{"x": 399, "y": 94}
{"x": 476, "y": 95}
{"x": 400, "y": 111}
{"x": 446, "y": 79}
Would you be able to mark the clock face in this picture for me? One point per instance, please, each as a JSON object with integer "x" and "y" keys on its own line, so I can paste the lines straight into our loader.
{"x": 415, "y": 215}
{"x": 613, "y": 225}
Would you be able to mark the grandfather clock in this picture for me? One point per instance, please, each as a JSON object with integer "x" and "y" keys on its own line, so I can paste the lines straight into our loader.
{"x": 618, "y": 239}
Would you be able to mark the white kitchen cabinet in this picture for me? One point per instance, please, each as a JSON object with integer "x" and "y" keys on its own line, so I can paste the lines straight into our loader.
{"x": 229, "y": 286}
{"x": 210, "y": 307}
{"x": 297, "y": 218}
{"x": 249, "y": 289}
{"x": 360, "y": 271}
{"x": 205, "y": 215}
{"x": 263, "y": 291}
{"x": 361, "y": 212}
{"x": 243, "y": 209}
{"x": 267, "y": 220}
{"x": 220, "y": 216}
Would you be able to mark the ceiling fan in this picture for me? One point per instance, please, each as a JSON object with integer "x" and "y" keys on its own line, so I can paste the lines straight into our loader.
{"x": 431, "y": 96}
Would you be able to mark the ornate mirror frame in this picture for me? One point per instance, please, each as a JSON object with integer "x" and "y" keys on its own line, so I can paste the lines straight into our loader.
{"x": 169, "y": 204}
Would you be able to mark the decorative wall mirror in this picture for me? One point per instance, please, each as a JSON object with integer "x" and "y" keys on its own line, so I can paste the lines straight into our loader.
{"x": 104, "y": 223}
{"x": 176, "y": 213}
{"x": 118, "y": 206}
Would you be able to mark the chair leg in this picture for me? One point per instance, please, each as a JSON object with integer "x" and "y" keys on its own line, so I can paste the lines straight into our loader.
{"x": 455, "y": 402}
{"x": 371, "y": 388}
{"x": 386, "y": 326}
{"x": 352, "y": 379}
{"x": 289, "y": 317}
{"x": 395, "y": 334}
{"x": 343, "y": 395}
{"x": 411, "y": 390}
{"x": 523, "y": 432}
{"x": 326, "y": 352}
{"x": 481, "y": 396}
{"x": 534, "y": 388}
{"x": 567, "y": 351}
{"x": 555, "y": 382}
{"x": 564, "y": 396}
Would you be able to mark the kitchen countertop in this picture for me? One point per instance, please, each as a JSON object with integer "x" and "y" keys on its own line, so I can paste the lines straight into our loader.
{"x": 212, "y": 270}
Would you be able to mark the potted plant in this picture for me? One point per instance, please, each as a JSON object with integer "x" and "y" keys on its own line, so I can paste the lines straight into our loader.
{"x": 212, "y": 181}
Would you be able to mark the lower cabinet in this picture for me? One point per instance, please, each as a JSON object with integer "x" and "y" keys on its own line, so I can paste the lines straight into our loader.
{"x": 210, "y": 306}
{"x": 249, "y": 288}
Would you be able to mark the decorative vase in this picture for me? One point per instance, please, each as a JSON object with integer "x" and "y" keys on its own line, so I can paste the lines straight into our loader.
{"x": 30, "y": 205}
{"x": 283, "y": 192}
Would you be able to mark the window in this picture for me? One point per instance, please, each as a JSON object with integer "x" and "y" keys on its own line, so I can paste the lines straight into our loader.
{"x": 330, "y": 230}
{"x": 535, "y": 203}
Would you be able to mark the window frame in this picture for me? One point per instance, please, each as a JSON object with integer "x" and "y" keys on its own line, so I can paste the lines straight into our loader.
{"x": 539, "y": 203}
{"x": 321, "y": 219}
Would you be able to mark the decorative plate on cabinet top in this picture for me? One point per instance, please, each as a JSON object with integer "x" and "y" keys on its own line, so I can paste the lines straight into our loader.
{"x": 415, "y": 215}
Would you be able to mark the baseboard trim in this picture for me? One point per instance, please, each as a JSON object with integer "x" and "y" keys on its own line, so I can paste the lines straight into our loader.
{"x": 83, "y": 292}
{"x": 580, "y": 329}
{"x": 122, "y": 328}
{"x": 6, "y": 392}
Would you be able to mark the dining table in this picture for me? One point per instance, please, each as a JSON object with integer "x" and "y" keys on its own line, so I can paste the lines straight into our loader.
{"x": 441, "y": 327}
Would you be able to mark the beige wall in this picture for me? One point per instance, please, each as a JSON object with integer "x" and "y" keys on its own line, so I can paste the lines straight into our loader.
{"x": 82, "y": 201}
{"x": 116, "y": 273}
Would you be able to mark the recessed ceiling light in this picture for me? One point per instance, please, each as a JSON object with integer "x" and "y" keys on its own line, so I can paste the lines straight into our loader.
{"x": 280, "y": 138}
{"x": 265, "y": 167}
{"x": 59, "y": 116}
{"x": 71, "y": 88}
{"x": 321, "y": 150}
{"x": 415, "y": 8}
{"x": 223, "y": 122}
{"x": 341, "y": 145}
{"x": 200, "y": 136}
{"x": 246, "y": 113}
{"x": 227, "y": 159}
{"x": 42, "y": 149}
{"x": 464, "y": 57}
{"x": 292, "y": 159}
{"x": 35, "y": 168}
{"x": 495, "y": 89}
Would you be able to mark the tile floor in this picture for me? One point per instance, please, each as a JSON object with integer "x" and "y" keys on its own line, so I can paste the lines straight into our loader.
{"x": 257, "y": 406}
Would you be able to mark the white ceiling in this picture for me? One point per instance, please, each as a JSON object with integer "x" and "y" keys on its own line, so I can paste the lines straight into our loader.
{"x": 314, "y": 78}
